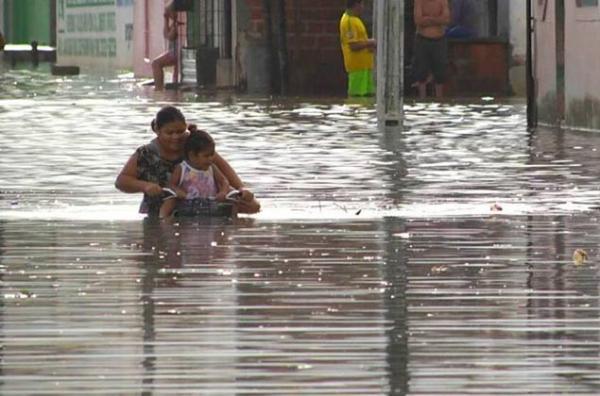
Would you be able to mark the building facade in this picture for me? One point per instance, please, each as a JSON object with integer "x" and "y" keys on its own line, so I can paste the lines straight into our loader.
{"x": 24, "y": 21}
{"x": 566, "y": 63}
{"x": 95, "y": 34}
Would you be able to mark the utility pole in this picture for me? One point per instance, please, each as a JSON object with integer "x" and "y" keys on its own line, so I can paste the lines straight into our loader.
{"x": 390, "y": 63}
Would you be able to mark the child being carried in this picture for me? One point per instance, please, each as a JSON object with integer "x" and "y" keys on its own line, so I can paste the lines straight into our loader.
{"x": 200, "y": 188}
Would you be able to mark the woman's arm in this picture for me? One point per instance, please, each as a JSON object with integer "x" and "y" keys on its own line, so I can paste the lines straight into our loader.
{"x": 167, "y": 207}
{"x": 223, "y": 186}
{"x": 248, "y": 204}
{"x": 128, "y": 181}
{"x": 227, "y": 171}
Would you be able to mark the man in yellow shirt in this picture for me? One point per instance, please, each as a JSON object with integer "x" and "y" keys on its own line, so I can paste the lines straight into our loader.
{"x": 357, "y": 49}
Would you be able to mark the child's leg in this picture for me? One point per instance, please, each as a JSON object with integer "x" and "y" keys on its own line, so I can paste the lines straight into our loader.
{"x": 166, "y": 209}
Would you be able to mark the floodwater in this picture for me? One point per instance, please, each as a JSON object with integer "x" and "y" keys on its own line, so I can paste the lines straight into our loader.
{"x": 438, "y": 260}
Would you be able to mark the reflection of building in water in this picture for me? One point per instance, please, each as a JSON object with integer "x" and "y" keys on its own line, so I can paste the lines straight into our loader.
{"x": 68, "y": 312}
{"x": 189, "y": 311}
{"x": 313, "y": 307}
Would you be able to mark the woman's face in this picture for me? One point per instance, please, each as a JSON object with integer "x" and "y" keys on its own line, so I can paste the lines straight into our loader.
{"x": 171, "y": 136}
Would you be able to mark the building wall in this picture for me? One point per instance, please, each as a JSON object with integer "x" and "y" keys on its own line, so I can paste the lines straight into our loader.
{"x": 95, "y": 33}
{"x": 582, "y": 62}
{"x": 148, "y": 40}
{"x": 518, "y": 40}
{"x": 582, "y": 54}
{"x": 545, "y": 61}
{"x": 28, "y": 20}
{"x": 314, "y": 55}
{"x": 2, "y": 29}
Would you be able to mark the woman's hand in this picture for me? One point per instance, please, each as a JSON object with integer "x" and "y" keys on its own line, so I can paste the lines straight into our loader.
{"x": 221, "y": 196}
{"x": 152, "y": 189}
{"x": 181, "y": 194}
{"x": 247, "y": 195}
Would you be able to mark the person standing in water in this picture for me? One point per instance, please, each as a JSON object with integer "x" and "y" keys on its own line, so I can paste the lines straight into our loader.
{"x": 357, "y": 49}
{"x": 150, "y": 167}
{"x": 431, "y": 47}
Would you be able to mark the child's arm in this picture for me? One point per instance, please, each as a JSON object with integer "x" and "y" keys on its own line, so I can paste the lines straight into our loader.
{"x": 166, "y": 209}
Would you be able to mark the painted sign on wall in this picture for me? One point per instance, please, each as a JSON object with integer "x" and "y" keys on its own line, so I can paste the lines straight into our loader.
{"x": 95, "y": 32}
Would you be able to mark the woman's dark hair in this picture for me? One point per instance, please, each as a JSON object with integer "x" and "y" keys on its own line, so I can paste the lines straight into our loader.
{"x": 165, "y": 115}
{"x": 352, "y": 3}
{"x": 198, "y": 141}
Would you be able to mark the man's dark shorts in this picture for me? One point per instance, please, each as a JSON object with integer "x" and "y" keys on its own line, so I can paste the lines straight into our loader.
{"x": 431, "y": 56}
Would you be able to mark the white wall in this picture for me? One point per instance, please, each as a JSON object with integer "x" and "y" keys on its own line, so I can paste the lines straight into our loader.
{"x": 517, "y": 15}
{"x": 545, "y": 51}
{"x": 94, "y": 33}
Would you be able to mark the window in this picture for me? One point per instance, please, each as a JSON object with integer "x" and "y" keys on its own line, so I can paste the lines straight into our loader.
{"x": 587, "y": 3}
{"x": 209, "y": 26}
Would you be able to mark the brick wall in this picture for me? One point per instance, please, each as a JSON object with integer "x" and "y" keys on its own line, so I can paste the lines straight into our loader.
{"x": 316, "y": 63}
{"x": 315, "y": 59}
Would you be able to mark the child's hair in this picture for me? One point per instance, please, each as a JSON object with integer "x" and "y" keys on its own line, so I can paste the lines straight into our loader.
{"x": 198, "y": 141}
{"x": 352, "y": 3}
{"x": 165, "y": 115}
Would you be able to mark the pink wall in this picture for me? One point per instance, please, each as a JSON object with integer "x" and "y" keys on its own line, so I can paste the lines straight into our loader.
{"x": 148, "y": 40}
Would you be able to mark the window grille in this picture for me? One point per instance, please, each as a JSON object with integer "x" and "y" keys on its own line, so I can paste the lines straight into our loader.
{"x": 209, "y": 26}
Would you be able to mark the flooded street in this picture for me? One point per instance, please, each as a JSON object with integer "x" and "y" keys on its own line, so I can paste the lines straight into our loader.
{"x": 439, "y": 260}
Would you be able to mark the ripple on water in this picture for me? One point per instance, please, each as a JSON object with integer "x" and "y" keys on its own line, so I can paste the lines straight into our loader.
{"x": 435, "y": 261}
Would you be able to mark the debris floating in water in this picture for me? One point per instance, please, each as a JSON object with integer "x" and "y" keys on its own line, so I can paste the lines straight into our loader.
{"x": 496, "y": 208}
{"x": 580, "y": 256}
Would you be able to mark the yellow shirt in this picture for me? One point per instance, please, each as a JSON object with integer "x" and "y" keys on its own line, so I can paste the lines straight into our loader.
{"x": 352, "y": 29}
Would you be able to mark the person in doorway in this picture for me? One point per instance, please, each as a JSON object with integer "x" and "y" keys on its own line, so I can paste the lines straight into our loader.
{"x": 199, "y": 186}
{"x": 357, "y": 49}
{"x": 168, "y": 58}
{"x": 149, "y": 169}
{"x": 430, "y": 53}
{"x": 460, "y": 26}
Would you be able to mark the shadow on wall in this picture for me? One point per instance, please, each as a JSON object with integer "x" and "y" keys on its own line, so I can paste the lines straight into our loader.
{"x": 584, "y": 113}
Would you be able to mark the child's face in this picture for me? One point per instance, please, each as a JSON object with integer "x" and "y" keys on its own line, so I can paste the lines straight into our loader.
{"x": 202, "y": 159}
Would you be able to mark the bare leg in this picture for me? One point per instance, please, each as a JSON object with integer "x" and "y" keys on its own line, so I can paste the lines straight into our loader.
{"x": 422, "y": 87}
{"x": 158, "y": 64}
{"x": 439, "y": 91}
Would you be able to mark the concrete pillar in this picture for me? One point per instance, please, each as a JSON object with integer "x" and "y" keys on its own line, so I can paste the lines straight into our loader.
{"x": 390, "y": 59}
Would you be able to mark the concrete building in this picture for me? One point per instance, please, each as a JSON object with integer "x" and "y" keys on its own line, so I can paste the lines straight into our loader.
{"x": 566, "y": 63}
{"x": 95, "y": 34}
{"x": 256, "y": 46}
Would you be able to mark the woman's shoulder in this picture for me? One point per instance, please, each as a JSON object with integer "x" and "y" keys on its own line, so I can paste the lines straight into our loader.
{"x": 148, "y": 150}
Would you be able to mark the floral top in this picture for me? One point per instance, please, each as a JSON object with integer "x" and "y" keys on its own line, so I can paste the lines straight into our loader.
{"x": 152, "y": 168}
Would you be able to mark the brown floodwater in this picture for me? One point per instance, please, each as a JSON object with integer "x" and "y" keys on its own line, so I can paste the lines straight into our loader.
{"x": 439, "y": 260}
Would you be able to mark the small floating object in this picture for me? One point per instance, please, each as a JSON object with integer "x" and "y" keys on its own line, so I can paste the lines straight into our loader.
{"x": 357, "y": 213}
{"x": 580, "y": 256}
{"x": 496, "y": 208}
{"x": 58, "y": 70}
{"x": 438, "y": 269}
